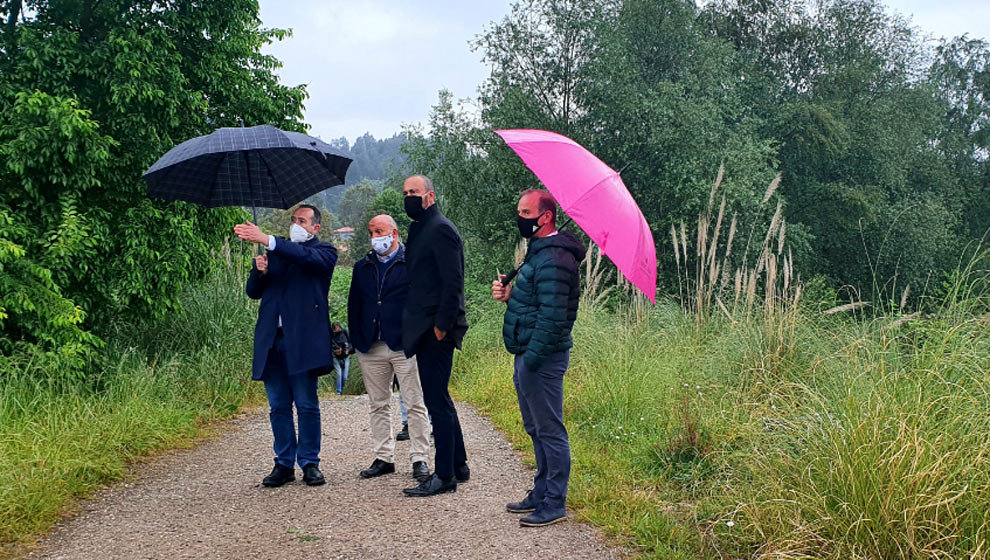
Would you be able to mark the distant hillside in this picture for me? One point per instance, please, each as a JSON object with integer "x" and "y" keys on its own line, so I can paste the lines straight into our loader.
{"x": 373, "y": 159}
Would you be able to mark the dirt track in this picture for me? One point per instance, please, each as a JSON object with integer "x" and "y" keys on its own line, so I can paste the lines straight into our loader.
{"x": 207, "y": 502}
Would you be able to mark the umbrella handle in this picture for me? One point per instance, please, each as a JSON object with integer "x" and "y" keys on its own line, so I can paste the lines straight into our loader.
{"x": 508, "y": 277}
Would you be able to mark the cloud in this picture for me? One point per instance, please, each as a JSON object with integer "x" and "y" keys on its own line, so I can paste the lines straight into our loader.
{"x": 373, "y": 65}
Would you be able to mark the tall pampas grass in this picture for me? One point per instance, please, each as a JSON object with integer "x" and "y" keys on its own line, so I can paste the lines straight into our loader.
{"x": 710, "y": 278}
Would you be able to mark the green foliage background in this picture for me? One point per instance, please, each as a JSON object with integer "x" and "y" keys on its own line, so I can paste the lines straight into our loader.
{"x": 880, "y": 134}
{"x": 92, "y": 94}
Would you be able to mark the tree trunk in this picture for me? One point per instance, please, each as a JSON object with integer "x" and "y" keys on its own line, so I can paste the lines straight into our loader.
{"x": 15, "y": 10}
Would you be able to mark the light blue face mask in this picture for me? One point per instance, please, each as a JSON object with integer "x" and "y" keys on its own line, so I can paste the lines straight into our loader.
{"x": 382, "y": 244}
{"x": 299, "y": 235}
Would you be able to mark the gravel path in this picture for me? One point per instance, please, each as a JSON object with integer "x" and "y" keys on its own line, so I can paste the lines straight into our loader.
{"x": 208, "y": 503}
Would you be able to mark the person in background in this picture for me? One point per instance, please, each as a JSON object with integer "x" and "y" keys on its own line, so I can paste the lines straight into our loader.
{"x": 342, "y": 350}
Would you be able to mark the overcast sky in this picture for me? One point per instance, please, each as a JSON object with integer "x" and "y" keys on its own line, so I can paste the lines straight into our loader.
{"x": 374, "y": 65}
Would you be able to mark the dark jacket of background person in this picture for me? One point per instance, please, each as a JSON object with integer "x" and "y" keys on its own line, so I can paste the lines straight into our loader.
{"x": 368, "y": 303}
{"x": 296, "y": 287}
{"x": 544, "y": 300}
{"x": 435, "y": 267}
{"x": 341, "y": 340}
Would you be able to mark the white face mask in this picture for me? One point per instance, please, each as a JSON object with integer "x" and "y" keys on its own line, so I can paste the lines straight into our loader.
{"x": 382, "y": 244}
{"x": 298, "y": 235}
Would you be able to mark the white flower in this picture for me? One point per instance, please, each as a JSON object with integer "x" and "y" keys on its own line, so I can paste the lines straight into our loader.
{"x": 730, "y": 524}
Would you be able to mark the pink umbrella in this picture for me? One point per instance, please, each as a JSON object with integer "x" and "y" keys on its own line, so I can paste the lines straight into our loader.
{"x": 593, "y": 195}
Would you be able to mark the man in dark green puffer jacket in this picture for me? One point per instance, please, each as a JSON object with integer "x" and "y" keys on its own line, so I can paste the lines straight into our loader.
{"x": 541, "y": 310}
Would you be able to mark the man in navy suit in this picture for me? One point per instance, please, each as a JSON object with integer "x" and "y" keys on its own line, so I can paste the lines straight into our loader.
{"x": 292, "y": 337}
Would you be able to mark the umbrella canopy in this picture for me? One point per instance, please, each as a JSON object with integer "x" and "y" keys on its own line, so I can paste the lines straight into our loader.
{"x": 593, "y": 195}
{"x": 254, "y": 166}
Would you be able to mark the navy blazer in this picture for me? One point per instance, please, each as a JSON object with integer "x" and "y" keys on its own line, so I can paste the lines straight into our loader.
{"x": 367, "y": 304}
{"x": 435, "y": 265}
{"x": 297, "y": 287}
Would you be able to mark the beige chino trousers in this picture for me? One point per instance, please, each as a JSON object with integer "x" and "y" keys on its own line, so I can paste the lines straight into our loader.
{"x": 378, "y": 366}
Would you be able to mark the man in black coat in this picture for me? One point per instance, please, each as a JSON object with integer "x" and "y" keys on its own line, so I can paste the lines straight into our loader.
{"x": 292, "y": 338}
{"x": 433, "y": 324}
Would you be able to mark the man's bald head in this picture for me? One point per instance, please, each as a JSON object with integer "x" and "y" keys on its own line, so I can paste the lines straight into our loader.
{"x": 383, "y": 221}
{"x": 384, "y": 225}
{"x": 421, "y": 181}
{"x": 421, "y": 186}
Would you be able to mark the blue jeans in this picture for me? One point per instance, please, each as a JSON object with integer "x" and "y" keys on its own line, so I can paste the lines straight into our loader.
{"x": 342, "y": 367}
{"x": 283, "y": 391}
{"x": 541, "y": 402}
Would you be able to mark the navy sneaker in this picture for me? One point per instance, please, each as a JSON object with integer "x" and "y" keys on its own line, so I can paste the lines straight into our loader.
{"x": 527, "y": 504}
{"x": 544, "y": 516}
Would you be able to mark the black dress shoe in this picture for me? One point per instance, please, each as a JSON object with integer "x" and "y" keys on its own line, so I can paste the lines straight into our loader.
{"x": 312, "y": 475}
{"x": 462, "y": 473}
{"x": 404, "y": 434}
{"x": 527, "y": 505}
{"x": 420, "y": 470}
{"x": 279, "y": 476}
{"x": 432, "y": 486}
{"x": 378, "y": 468}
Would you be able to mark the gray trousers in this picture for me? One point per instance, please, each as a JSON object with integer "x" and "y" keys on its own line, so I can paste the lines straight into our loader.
{"x": 541, "y": 402}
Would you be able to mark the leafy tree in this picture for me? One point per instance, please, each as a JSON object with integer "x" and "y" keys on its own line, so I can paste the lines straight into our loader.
{"x": 962, "y": 73}
{"x": 355, "y": 202}
{"x": 859, "y": 131}
{"x": 92, "y": 93}
{"x": 637, "y": 82}
{"x": 374, "y": 160}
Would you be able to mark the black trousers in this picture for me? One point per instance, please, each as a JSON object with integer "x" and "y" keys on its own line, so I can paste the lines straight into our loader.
{"x": 435, "y": 359}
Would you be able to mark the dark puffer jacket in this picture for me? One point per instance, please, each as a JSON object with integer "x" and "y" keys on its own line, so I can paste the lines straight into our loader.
{"x": 544, "y": 300}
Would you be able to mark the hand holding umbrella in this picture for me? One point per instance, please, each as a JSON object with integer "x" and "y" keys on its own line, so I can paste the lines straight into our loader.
{"x": 501, "y": 288}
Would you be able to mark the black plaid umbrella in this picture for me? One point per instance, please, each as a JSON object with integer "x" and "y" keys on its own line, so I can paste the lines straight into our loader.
{"x": 254, "y": 166}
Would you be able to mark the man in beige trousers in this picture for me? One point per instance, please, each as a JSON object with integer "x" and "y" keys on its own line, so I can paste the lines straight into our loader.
{"x": 374, "y": 314}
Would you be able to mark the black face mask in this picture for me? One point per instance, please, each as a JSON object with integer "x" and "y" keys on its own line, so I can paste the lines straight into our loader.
{"x": 528, "y": 226}
{"x": 414, "y": 206}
